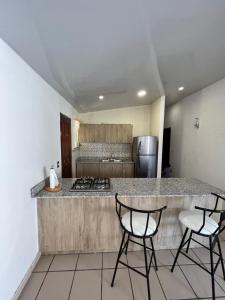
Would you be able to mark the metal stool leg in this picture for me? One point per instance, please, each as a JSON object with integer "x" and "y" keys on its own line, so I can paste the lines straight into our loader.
{"x": 221, "y": 257}
{"x": 127, "y": 244}
{"x": 212, "y": 268}
{"x": 179, "y": 249}
{"x": 118, "y": 257}
{"x": 188, "y": 244}
{"x": 146, "y": 269}
{"x": 154, "y": 257}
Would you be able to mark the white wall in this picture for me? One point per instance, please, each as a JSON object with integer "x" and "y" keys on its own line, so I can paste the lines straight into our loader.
{"x": 139, "y": 116}
{"x": 157, "y": 125}
{"x": 30, "y": 143}
{"x": 199, "y": 152}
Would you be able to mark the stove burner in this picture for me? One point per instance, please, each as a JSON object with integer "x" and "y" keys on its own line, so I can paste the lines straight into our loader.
{"x": 91, "y": 184}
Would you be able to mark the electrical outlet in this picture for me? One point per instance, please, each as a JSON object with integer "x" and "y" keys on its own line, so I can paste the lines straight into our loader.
{"x": 57, "y": 164}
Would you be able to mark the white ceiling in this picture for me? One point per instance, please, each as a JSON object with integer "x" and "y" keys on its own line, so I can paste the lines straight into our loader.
{"x": 87, "y": 48}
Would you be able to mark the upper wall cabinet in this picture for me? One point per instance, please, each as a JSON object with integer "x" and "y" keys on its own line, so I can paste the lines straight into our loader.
{"x": 106, "y": 133}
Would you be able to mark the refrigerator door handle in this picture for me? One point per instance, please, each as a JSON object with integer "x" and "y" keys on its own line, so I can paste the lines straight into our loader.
{"x": 139, "y": 147}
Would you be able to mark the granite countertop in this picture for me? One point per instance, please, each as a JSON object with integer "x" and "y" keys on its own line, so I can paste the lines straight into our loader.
{"x": 140, "y": 187}
{"x": 88, "y": 159}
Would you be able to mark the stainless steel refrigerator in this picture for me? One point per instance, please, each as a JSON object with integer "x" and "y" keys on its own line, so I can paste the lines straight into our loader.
{"x": 145, "y": 149}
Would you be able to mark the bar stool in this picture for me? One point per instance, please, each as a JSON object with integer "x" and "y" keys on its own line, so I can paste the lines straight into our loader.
{"x": 139, "y": 224}
{"x": 201, "y": 224}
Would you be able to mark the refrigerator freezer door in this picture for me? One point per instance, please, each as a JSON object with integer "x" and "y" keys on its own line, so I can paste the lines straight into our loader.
{"x": 145, "y": 166}
{"x": 145, "y": 145}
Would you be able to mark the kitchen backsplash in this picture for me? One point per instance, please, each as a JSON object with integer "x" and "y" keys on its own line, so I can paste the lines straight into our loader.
{"x": 105, "y": 150}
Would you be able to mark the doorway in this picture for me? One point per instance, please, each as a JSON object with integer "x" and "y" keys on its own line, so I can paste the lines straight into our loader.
{"x": 166, "y": 152}
{"x": 66, "y": 147}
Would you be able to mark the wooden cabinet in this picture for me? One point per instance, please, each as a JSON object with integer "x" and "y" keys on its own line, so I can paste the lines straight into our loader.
{"x": 128, "y": 170}
{"x": 106, "y": 133}
{"x": 86, "y": 133}
{"x": 88, "y": 169}
{"x": 111, "y": 170}
{"x": 99, "y": 133}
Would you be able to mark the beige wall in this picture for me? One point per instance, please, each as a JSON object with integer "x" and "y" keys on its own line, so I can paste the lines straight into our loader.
{"x": 139, "y": 116}
{"x": 199, "y": 152}
{"x": 155, "y": 117}
{"x": 157, "y": 125}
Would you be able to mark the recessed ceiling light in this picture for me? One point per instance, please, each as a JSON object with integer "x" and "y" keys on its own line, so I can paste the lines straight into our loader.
{"x": 181, "y": 88}
{"x": 101, "y": 97}
{"x": 141, "y": 93}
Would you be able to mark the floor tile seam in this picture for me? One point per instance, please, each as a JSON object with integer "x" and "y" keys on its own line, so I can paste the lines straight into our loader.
{"x": 44, "y": 278}
{"x": 110, "y": 268}
{"x": 201, "y": 260}
{"x": 185, "y": 276}
{"x": 150, "y": 271}
{"x": 160, "y": 283}
{"x": 188, "y": 281}
{"x": 80, "y": 270}
{"x": 198, "y": 298}
{"x": 132, "y": 290}
{"x": 205, "y": 264}
{"x": 101, "y": 276}
{"x": 73, "y": 277}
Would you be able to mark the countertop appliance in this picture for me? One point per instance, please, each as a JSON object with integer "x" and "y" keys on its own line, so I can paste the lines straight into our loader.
{"x": 91, "y": 184}
{"x": 145, "y": 150}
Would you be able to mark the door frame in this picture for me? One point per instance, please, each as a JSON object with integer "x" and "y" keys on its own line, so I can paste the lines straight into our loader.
{"x": 62, "y": 119}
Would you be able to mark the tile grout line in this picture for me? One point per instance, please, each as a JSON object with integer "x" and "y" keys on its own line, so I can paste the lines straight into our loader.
{"x": 185, "y": 276}
{"x": 205, "y": 264}
{"x": 44, "y": 278}
{"x": 101, "y": 277}
{"x": 132, "y": 290}
{"x": 102, "y": 268}
{"x": 158, "y": 277}
{"x": 156, "y": 272}
{"x": 73, "y": 277}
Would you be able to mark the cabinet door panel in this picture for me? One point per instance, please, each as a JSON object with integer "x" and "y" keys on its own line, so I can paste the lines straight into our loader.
{"x": 100, "y": 133}
{"x": 106, "y": 170}
{"x": 111, "y": 170}
{"x": 89, "y": 169}
{"x": 127, "y": 133}
{"x": 86, "y": 133}
{"x": 128, "y": 170}
{"x": 105, "y": 133}
{"x": 117, "y": 170}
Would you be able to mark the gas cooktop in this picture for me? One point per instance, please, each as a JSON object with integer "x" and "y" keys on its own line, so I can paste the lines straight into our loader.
{"x": 91, "y": 184}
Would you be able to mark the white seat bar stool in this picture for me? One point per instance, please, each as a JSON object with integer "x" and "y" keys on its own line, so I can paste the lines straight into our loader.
{"x": 139, "y": 224}
{"x": 199, "y": 223}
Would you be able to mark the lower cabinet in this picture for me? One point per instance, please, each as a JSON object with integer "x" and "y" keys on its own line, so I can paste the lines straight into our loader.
{"x": 111, "y": 170}
{"x": 88, "y": 169}
{"x": 128, "y": 170}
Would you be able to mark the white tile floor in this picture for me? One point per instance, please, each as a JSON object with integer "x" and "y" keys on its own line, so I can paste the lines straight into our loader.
{"x": 88, "y": 276}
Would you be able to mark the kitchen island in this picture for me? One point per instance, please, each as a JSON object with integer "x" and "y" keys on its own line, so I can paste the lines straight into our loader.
{"x": 87, "y": 221}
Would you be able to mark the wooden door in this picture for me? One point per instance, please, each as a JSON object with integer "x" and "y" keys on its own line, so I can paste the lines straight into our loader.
{"x": 66, "y": 147}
